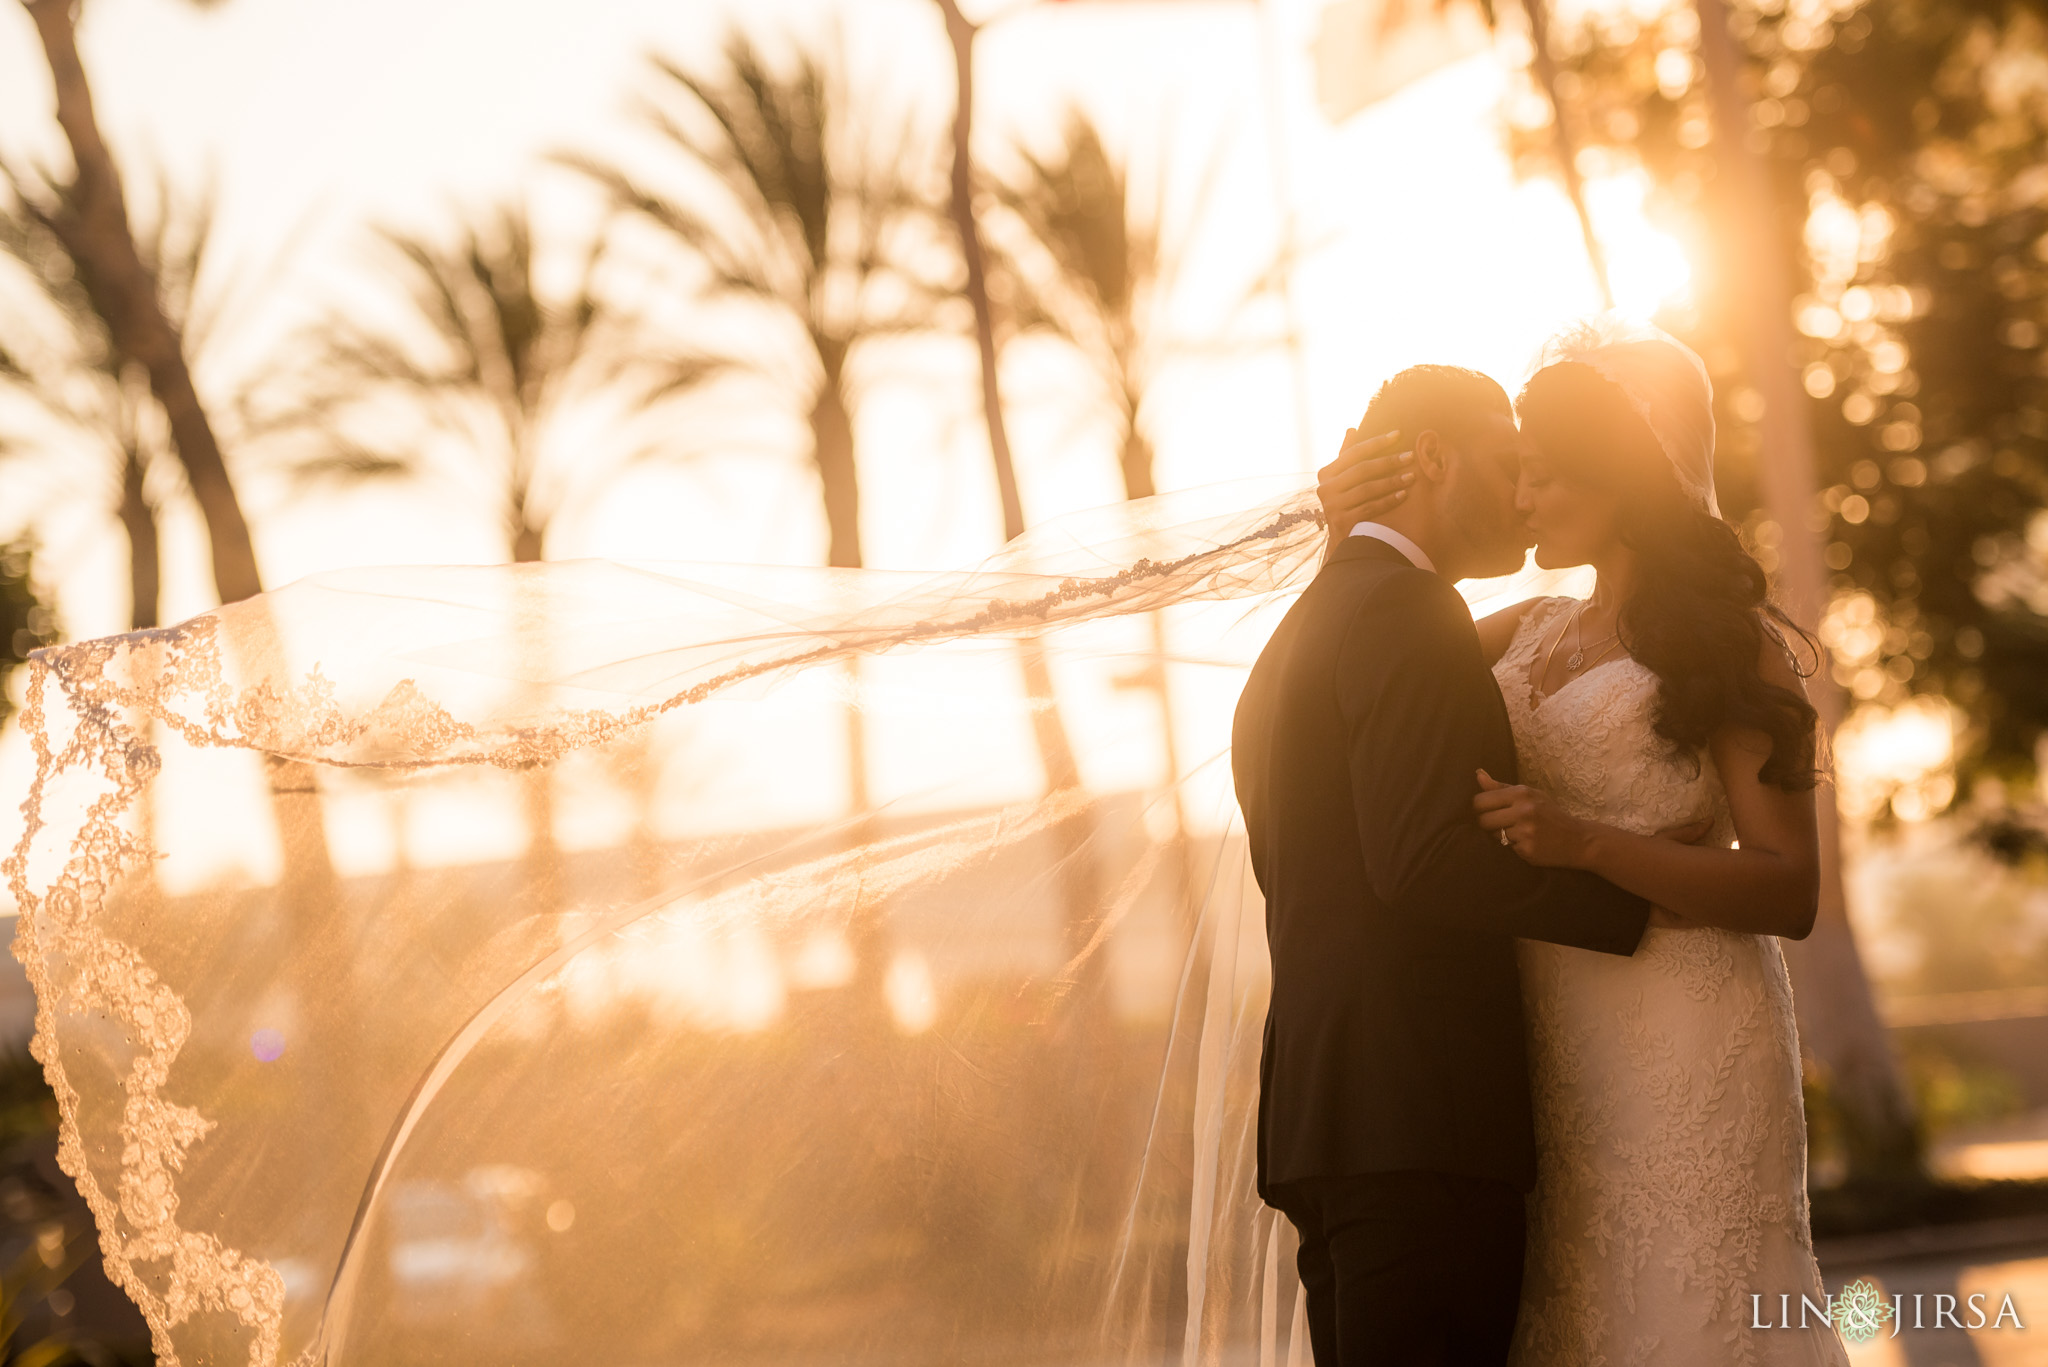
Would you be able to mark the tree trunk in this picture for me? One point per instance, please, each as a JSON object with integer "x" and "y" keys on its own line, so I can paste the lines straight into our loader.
{"x": 138, "y": 527}
{"x": 123, "y": 293}
{"x": 1562, "y": 144}
{"x": 541, "y": 874}
{"x": 1838, "y": 1021}
{"x": 1136, "y": 462}
{"x": 138, "y": 524}
{"x": 864, "y": 1016}
{"x": 961, "y": 32}
{"x": 832, "y": 452}
{"x": 1140, "y": 481}
{"x": 1079, "y": 878}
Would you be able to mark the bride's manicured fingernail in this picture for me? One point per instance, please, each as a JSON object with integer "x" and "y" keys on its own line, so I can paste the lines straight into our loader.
{"x": 1400, "y": 495}
{"x": 1406, "y": 458}
{"x": 1407, "y": 476}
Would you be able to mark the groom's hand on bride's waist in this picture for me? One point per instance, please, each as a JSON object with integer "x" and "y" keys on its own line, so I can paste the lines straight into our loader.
{"x": 1531, "y": 823}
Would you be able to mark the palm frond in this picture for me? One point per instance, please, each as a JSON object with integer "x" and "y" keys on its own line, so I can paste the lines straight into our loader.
{"x": 485, "y": 352}
{"x": 434, "y": 286}
{"x": 729, "y": 265}
{"x": 1077, "y": 205}
{"x": 813, "y": 199}
{"x": 1095, "y": 259}
{"x": 650, "y": 379}
{"x": 29, "y": 234}
{"x": 356, "y": 359}
{"x": 350, "y": 463}
{"x": 226, "y": 291}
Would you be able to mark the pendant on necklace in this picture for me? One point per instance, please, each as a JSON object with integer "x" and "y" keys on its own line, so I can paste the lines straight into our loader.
{"x": 1573, "y": 661}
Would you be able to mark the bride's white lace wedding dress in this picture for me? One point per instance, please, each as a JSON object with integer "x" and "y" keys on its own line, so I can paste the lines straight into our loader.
{"x": 1671, "y": 1142}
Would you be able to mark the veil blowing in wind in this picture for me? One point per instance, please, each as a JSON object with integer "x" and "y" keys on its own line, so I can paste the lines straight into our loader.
{"x": 752, "y": 1076}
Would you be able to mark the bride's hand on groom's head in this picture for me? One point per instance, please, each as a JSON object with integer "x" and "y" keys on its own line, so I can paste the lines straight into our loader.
{"x": 1530, "y": 823}
{"x": 1369, "y": 479}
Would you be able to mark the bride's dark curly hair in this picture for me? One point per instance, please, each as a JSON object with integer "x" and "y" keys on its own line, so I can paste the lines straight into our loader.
{"x": 1699, "y": 614}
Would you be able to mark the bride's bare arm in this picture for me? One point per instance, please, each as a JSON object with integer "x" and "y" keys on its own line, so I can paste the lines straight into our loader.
{"x": 1497, "y": 629}
{"x": 1768, "y": 885}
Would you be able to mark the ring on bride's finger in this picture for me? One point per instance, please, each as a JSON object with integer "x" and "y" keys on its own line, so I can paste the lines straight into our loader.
{"x": 1506, "y": 840}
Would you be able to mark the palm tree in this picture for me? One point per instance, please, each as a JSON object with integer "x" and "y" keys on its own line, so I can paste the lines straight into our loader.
{"x": 105, "y": 412}
{"x": 960, "y": 35}
{"x": 93, "y": 224}
{"x": 1097, "y": 269}
{"x": 811, "y": 216}
{"x": 486, "y": 360}
{"x": 1080, "y": 878}
{"x": 809, "y": 206}
{"x": 1094, "y": 261}
{"x": 57, "y": 354}
{"x": 485, "y": 357}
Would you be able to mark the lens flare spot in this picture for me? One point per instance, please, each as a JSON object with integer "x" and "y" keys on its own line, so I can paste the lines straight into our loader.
{"x": 267, "y": 1045}
{"x": 912, "y": 996}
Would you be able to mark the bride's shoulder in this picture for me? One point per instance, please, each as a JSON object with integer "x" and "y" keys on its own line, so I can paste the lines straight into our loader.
{"x": 1497, "y": 630}
{"x": 1778, "y": 659}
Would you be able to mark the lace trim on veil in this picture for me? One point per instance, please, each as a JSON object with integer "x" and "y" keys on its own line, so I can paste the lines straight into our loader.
{"x": 227, "y": 680}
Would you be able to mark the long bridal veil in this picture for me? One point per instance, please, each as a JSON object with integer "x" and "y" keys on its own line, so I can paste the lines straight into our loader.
{"x": 594, "y": 962}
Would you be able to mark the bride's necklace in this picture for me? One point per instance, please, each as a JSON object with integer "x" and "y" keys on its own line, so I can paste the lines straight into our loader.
{"x": 1578, "y": 659}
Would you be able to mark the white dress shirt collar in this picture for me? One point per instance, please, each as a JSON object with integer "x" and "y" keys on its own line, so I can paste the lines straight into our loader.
{"x": 1398, "y": 542}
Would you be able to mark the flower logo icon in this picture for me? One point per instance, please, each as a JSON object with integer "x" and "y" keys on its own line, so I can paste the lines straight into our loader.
{"x": 1860, "y": 1311}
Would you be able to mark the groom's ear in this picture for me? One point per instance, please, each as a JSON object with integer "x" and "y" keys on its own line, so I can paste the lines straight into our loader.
{"x": 1432, "y": 456}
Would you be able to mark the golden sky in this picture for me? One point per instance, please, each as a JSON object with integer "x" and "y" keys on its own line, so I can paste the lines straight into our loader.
{"x": 323, "y": 117}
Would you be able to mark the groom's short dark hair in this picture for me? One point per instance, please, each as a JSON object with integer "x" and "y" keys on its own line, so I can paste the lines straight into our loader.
{"x": 1447, "y": 398}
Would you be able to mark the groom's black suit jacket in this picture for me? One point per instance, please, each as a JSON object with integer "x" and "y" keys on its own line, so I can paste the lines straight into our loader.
{"x": 1394, "y": 1039}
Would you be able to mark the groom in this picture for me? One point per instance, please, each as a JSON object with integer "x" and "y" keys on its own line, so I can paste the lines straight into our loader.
{"x": 1394, "y": 1117}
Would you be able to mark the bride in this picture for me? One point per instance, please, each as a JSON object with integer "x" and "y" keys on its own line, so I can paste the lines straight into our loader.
{"x": 1671, "y": 1184}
